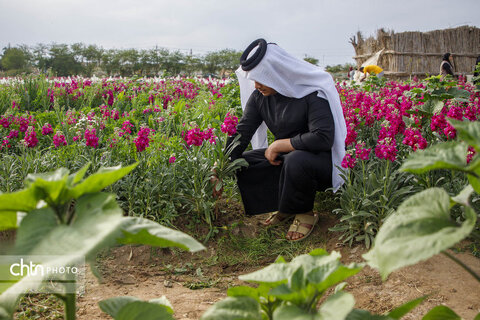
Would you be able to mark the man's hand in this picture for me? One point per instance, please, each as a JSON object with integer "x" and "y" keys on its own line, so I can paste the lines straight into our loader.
{"x": 276, "y": 148}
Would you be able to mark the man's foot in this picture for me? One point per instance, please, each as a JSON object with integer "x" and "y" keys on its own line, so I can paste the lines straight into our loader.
{"x": 276, "y": 218}
{"x": 302, "y": 226}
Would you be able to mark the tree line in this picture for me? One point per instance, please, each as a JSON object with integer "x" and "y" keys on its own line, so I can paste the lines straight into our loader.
{"x": 89, "y": 60}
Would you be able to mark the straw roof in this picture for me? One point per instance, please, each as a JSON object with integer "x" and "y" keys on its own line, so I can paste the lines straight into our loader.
{"x": 420, "y": 53}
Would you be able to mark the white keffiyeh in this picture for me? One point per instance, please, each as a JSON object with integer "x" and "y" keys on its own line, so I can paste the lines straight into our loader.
{"x": 295, "y": 78}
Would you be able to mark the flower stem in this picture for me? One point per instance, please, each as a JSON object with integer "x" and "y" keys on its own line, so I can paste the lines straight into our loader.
{"x": 463, "y": 265}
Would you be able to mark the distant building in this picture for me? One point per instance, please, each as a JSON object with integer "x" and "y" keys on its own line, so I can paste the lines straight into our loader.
{"x": 416, "y": 53}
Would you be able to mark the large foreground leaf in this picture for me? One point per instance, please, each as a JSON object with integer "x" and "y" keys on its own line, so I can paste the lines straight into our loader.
{"x": 148, "y": 232}
{"x": 281, "y": 272}
{"x": 99, "y": 223}
{"x": 441, "y": 312}
{"x": 99, "y": 180}
{"x": 234, "y": 308}
{"x": 336, "y": 307}
{"x": 128, "y": 308}
{"x": 468, "y": 131}
{"x": 419, "y": 229}
{"x": 448, "y": 155}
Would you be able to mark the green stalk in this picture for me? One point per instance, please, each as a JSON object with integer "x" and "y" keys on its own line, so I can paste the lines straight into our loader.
{"x": 70, "y": 308}
{"x": 464, "y": 266}
{"x": 386, "y": 178}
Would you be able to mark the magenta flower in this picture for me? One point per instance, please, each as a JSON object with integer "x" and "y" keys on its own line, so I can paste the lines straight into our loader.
{"x": 6, "y": 143}
{"x": 361, "y": 152}
{"x": 142, "y": 140}
{"x": 13, "y": 134}
{"x": 386, "y": 149}
{"x": 91, "y": 138}
{"x": 59, "y": 139}
{"x": 47, "y": 129}
{"x": 470, "y": 154}
{"x": 194, "y": 136}
{"x": 349, "y": 161}
{"x": 30, "y": 139}
{"x": 172, "y": 159}
{"x": 229, "y": 125}
{"x": 414, "y": 139}
{"x": 23, "y": 123}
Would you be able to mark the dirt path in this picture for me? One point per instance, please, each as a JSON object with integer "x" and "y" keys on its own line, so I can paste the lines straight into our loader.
{"x": 148, "y": 274}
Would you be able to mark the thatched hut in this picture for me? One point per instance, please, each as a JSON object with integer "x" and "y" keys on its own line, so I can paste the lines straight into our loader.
{"x": 419, "y": 53}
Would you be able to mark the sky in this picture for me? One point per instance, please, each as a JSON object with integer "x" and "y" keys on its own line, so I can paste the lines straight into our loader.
{"x": 316, "y": 28}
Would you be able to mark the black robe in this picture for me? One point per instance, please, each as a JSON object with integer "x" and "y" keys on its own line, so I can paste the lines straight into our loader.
{"x": 291, "y": 186}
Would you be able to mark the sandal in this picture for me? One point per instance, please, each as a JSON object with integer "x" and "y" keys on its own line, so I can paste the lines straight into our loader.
{"x": 299, "y": 223}
{"x": 276, "y": 218}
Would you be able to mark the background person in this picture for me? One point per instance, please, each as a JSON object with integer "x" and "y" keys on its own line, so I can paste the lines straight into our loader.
{"x": 299, "y": 104}
{"x": 446, "y": 66}
{"x": 371, "y": 70}
{"x": 476, "y": 73}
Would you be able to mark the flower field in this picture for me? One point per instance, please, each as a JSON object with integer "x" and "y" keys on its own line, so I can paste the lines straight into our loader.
{"x": 409, "y": 144}
{"x": 173, "y": 127}
{"x": 176, "y": 128}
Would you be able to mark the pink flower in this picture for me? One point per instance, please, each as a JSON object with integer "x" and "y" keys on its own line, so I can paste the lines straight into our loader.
{"x": 229, "y": 125}
{"x": 30, "y": 139}
{"x": 59, "y": 139}
{"x": 386, "y": 149}
{"x": 194, "y": 136}
{"x": 349, "y": 161}
{"x": 6, "y": 143}
{"x": 361, "y": 152}
{"x": 142, "y": 140}
{"x": 470, "y": 154}
{"x": 13, "y": 134}
{"x": 91, "y": 138}
{"x": 351, "y": 135}
{"x": 47, "y": 129}
{"x": 414, "y": 139}
{"x": 172, "y": 159}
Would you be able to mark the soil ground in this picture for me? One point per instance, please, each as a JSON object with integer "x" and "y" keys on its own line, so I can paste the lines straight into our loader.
{"x": 193, "y": 282}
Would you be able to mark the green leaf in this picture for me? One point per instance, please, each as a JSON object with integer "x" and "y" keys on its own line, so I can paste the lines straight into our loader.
{"x": 441, "y": 313}
{"x": 147, "y": 232}
{"x": 468, "y": 131}
{"x": 331, "y": 274}
{"x": 234, "y": 308}
{"x": 293, "y": 312}
{"x": 358, "y": 314}
{"x": 23, "y": 200}
{"x": 464, "y": 196}
{"x": 243, "y": 291}
{"x": 113, "y": 305}
{"x": 438, "y": 106}
{"x": 78, "y": 176}
{"x": 448, "y": 155}
{"x": 8, "y": 220}
{"x": 337, "y": 306}
{"x": 51, "y": 184}
{"x": 145, "y": 311}
{"x": 297, "y": 280}
{"x": 33, "y": 229}
{"x": 98, "y": 224}
{"x": 459, "y": 94}
{"x": 99, "y": 180}
{"x": 405, "y": 308}
{"x": 280, "y": 272}
{"x": 419, "y": 229}
{"x": 477, "y": 317}
{"x": 127, "y": 308}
